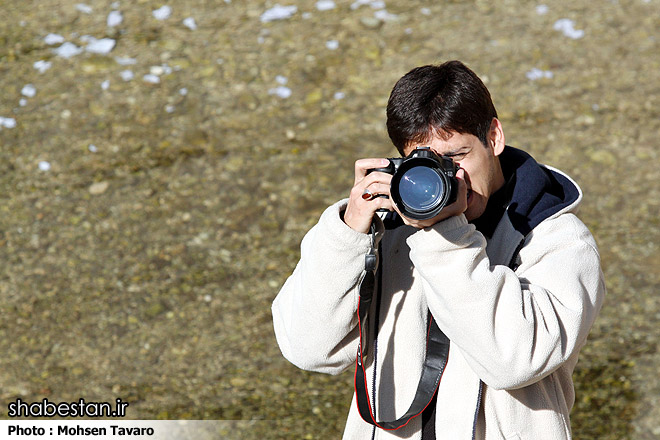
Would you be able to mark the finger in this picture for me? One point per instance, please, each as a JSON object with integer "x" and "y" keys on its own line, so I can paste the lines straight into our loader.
{"x": 462, "y": 184}
{"x": 374, "y": 178}
{"x": 364, "y": 165}
{"x": 382, "y": 203}
{"x": 375, "y": 189}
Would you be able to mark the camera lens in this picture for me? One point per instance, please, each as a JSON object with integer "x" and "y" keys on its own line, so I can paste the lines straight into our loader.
{"x": 421, "y": 188}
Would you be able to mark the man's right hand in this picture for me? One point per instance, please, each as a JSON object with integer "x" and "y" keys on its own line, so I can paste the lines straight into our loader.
{"x": 361, "y": 208}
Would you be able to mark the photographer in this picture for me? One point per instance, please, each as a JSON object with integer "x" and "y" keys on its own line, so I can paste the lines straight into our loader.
{"x": 505, "y": 271}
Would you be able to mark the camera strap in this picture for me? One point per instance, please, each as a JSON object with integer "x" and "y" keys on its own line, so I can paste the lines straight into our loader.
{"x": 437, "y": 351}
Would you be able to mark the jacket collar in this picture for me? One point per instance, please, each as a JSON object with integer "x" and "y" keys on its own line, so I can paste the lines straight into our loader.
{"x": 537, "y": 193}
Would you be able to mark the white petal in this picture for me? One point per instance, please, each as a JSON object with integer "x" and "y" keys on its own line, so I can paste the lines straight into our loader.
{"x": 281, "y": 91}
{"x": 7, "y": 122}
{"x": 190, "y": 23}
{"x": 325, "y": 5}
{"x": 28, "y": 90}
{"x": 52, "y": 39}
{"x": 42, "y": 65}
{"x": 162, "y": 13}
{"x": 84, "y": 8}
{"x": 67, "y": 50}
{"x": 114, "y": 18}
{"x": 278, "y": 12}
{"x": 102, "y": 46}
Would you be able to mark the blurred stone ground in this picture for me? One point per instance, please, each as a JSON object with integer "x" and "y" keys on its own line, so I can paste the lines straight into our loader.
{"x": 148, "y": 222}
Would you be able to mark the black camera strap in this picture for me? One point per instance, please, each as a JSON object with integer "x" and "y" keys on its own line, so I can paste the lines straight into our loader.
{"x": 437, "y": 352}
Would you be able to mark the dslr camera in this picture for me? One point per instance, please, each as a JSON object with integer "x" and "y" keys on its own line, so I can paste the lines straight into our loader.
{"x": 422, "y": 184}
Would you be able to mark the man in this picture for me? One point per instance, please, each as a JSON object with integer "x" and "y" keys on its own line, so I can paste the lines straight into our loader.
{"x": 507, "y": 271}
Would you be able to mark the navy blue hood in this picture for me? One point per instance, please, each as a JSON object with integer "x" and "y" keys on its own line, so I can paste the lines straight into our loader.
{"x": 537, "y": 192}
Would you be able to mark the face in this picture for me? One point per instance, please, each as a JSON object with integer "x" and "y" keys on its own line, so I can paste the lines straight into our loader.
{"x": 483, "y": 173}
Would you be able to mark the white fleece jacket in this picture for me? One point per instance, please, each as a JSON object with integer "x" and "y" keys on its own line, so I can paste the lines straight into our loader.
{"x": 518, "y": 332}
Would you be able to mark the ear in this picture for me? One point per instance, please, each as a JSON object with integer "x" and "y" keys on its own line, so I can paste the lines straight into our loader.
{"x": 496, "y": 137}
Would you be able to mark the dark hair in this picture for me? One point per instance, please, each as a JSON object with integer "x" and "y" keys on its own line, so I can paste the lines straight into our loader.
{"x": 436, "y": 100}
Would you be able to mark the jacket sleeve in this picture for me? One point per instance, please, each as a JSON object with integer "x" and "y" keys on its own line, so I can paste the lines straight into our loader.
{"x": 314, "y": 314}
{"x": 514, "y": 328}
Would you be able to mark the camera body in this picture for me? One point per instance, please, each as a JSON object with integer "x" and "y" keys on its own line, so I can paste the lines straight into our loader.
{"x": 423, "y": 183}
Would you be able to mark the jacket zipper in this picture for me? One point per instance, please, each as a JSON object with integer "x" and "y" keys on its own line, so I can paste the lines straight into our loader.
{"x": 476, "y": 412}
